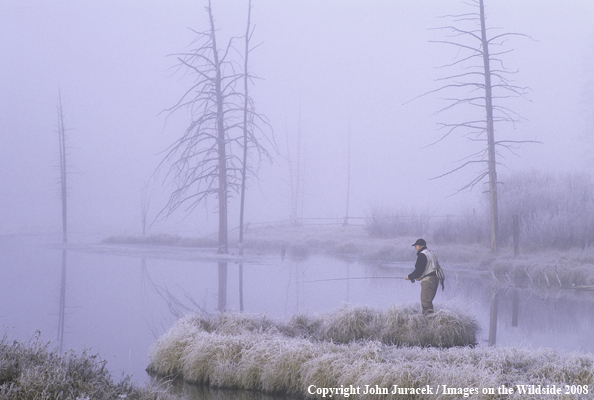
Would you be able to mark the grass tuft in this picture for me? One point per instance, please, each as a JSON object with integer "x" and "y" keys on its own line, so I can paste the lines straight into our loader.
{"x": 351, "y": 323}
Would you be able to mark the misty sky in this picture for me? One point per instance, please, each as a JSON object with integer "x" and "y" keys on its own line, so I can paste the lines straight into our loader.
{"x": 327, "y": 66}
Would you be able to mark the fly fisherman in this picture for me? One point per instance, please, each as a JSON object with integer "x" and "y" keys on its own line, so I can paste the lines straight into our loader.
{"x": 426, "y": 272}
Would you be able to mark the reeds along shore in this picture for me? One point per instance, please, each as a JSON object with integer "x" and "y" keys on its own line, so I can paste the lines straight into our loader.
{"x": 254, "y": 353}
{"x": 32, "y": 371}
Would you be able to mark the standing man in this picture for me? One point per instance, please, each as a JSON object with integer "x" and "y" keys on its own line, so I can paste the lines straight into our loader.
{"x": 426, "y": 272}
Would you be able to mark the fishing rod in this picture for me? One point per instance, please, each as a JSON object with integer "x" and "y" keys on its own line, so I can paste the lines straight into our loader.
{"x": 358, "y": 277}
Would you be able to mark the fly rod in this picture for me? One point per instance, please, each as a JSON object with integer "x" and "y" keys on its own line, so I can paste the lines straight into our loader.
{"x": 359, "y": 277}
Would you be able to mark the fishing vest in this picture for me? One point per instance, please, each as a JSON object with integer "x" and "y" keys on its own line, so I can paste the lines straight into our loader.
{"x": 431, "y": 267}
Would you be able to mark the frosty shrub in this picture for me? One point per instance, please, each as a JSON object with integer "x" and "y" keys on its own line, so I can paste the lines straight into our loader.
{"x": 31, "y": 371}
{"x": 469, "y": 227}
{"x": 555, "y": 211}
{"x": 386, "y": 222}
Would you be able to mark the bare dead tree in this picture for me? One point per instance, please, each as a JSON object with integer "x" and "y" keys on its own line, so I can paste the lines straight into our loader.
{"x": 246, "y": 116}
{"x": 482, "y": 82}
{"x": 212, "y": 157}
{"x": 253, "y": 123}
{"x": 200, "y": 163}
{"x": 61, "y": 130}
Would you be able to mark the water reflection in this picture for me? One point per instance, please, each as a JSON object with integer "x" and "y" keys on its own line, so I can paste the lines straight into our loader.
{"x": 241, "y": 286}
{"x": 62, "y": 308}
{"x": 119, "y": 312}
{"x": 515, "y": 308}
{"x": 540, "y": 316}
{"x": 222, "y": 293}
{"x": 493, "y": 314}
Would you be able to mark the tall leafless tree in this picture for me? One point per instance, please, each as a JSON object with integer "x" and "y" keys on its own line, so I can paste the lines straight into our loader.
{"x": 61, "y": 130}
{"x": 63, "y": 172}
{"x": 210, "y": 159}
{"x": 253, "y": 123}
{"x": 482, "y": 82}
{"x": 200, "y": 163}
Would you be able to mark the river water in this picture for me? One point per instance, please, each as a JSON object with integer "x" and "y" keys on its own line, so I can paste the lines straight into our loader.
{"x": 116, "y": 300}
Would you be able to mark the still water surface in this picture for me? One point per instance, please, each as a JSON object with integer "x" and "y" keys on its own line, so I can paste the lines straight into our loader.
{"x": 117, "y": 301}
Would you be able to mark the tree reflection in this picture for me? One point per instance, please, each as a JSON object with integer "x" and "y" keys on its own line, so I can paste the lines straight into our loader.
{"x": 222, "y": 295}
{"x": 62, "y": 311}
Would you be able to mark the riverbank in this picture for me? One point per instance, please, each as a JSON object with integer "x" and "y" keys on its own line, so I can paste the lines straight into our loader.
{"x": 350, "y": 241}
{"x": 545, "y": 268}
{"x": 34, "y": 371}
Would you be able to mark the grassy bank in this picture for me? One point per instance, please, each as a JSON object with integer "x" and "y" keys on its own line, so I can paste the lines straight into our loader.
{"x": 252, "y": 354}
{"x": 31, "y": 371}
{"x": 161, "y": 240}
{"x": 551, "y": 269}
{"x": 545, "y": 268}
{"x": 302, "y": 241}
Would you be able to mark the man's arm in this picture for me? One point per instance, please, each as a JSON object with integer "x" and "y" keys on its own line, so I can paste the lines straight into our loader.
{"x": 419, "y": 267}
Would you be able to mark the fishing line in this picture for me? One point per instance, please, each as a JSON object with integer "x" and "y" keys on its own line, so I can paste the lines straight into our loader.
{"x": 361, "y": 277}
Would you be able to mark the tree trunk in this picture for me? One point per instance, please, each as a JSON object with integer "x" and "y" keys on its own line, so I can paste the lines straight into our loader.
{"x": 221, "y": 143}
{"x": 63, "y": 185}
{"x": 348, "y": 192}
{"x": 492, "y": 164}
{"x": 493, "y": 311}
{"x": 245, "y": 127}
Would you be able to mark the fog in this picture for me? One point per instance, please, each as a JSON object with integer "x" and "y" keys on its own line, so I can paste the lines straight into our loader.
{"x": 327, "y": 68}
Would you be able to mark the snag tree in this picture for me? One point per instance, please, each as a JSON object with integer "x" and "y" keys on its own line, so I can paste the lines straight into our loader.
{"x": 481, "y": 82}
{"x": 210, "y": 158}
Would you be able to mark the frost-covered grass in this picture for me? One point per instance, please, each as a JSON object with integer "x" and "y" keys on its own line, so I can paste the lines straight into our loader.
{"x": 262, "y": 358}
{"x": 161, "y": 240}
{"x": 402, "y": 325}
{"x": 553, "y": 269}
{"x": 31, "y": 371}
{"x": 354, "y": 242}
{"x": 301, "y": 241}
{"x": 542, "y": 268}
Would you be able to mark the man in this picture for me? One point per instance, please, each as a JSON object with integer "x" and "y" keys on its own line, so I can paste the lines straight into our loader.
{"x": 426, "y": 272}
